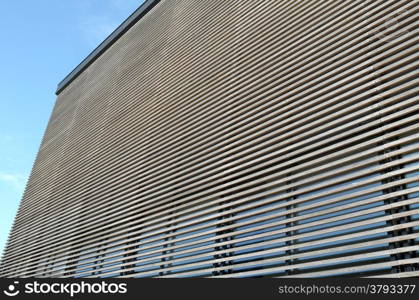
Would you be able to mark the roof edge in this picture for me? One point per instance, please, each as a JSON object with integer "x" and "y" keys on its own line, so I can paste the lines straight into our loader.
{"x": 108, "y": 42}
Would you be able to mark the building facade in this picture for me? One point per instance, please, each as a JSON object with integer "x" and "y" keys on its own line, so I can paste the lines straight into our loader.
{"x": 232, "y": 139}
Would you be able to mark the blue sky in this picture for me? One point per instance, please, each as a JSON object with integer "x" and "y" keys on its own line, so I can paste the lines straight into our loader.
{"x": 41, "y": 42}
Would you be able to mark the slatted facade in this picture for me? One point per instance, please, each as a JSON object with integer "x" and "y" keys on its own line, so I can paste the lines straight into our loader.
{"x": 226, "y": 138}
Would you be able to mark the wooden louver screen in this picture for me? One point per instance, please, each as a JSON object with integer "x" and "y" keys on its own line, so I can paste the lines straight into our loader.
{"x": 234, "y": 139}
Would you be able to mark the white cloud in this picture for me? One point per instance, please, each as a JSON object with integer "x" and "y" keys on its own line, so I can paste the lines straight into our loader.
{"x": 125, "y": 4}
{"x": 5, "y": 139}
{"x": 99, "y": 18}
{"x": 96, "y": 28}
{"x": 15, "y": 181}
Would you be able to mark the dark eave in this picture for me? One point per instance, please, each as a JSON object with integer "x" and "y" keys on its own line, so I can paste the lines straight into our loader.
{"x": 112, "y": 38}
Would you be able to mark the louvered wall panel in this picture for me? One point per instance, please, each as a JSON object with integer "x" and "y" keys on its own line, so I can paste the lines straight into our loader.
{"x": 233, "y": 139}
